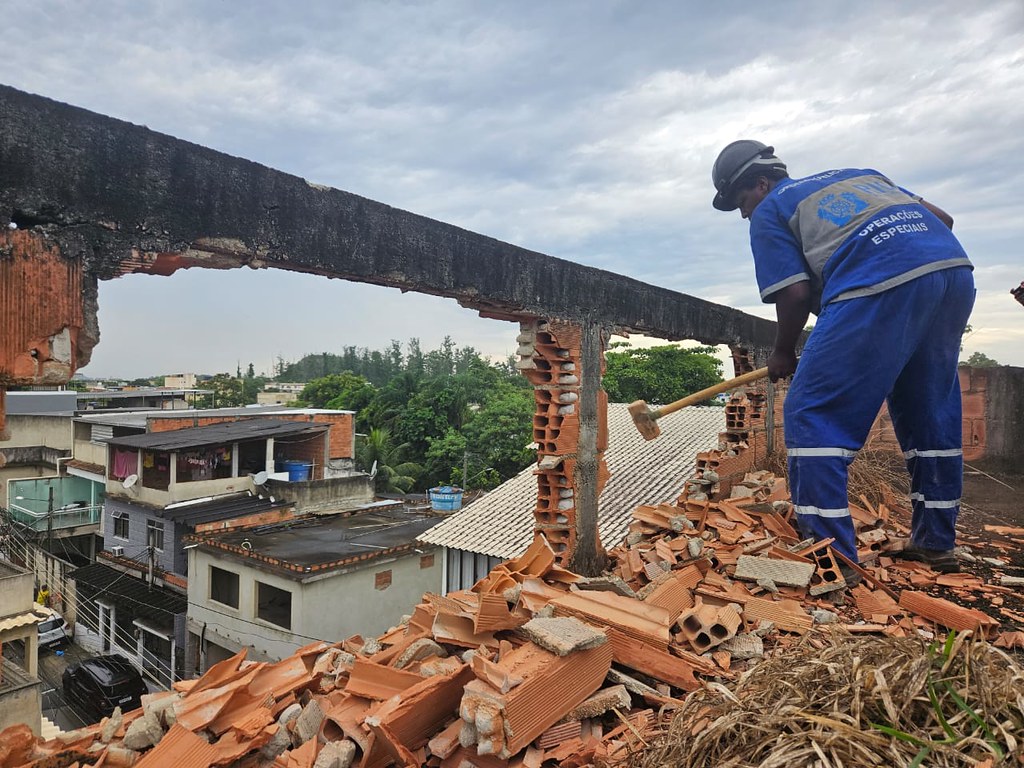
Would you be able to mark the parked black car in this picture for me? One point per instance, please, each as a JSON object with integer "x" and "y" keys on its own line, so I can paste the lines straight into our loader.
{"x": 99, "y": 684}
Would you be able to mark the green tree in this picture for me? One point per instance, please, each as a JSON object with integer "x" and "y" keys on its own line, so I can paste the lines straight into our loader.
{"x": 377, "y": 452}
{"x": 337, "y": 388}
{"x": 227, "y": 392}
{"x": 980, "y": 360}
{"x": 444, "y": 458}
{"x": 499, "y": 433}
{"x": 658, "y": 374}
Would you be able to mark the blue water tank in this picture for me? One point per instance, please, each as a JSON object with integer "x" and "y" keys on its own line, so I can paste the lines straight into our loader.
{"x": 298, "y": 471}
{"x": 445, "y": 498}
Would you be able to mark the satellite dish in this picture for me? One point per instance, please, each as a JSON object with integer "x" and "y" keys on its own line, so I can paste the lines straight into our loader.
{"x": 373, "y": 470}
{"x": 260, "y": 477}
{"x": 129, "y": 481}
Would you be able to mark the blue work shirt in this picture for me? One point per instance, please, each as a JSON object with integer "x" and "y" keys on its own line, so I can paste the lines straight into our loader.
{"x": 850, "y": 232}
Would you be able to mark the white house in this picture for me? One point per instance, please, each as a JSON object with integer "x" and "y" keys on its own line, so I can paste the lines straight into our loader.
{"x": 277, "y": 588}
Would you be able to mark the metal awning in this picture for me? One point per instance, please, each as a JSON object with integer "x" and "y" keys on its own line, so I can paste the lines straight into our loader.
{"x": 157, "y": 603}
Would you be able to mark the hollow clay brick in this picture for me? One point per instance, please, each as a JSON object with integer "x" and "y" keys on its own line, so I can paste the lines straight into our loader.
{"x": 784, "y": 572}
{"x": 948, "y": 614}
{"x": 506, "y": 723}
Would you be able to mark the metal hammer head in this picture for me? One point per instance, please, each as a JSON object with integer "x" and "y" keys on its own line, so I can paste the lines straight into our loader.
{"x": 645, "y": 419}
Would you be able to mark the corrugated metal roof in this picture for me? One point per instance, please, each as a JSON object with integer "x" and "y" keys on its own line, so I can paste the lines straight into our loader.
{"x": 220, "y": 509}
{"x": 141, "y": 417}
{"x": 217, "y": 434}
{"x": 500, "y": 524}
{"x": 153, "y": 602}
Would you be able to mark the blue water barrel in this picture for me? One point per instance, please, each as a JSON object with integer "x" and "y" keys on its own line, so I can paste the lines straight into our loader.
{"x": 298, "y": 471}
{"x": 445, "y": 498}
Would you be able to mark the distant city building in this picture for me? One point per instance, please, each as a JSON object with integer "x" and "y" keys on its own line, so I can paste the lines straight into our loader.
{"x": 276, "y": 398}
{"x": 168, "y": 476}
{"x": 180, "y": 380}
{"x": 285, "y": 386}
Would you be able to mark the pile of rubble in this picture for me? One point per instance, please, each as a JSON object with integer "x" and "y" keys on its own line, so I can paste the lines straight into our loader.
{"x": 537, "y": 665}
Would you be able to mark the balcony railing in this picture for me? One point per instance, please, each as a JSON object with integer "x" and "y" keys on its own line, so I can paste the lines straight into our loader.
{"x": 65, "y": 517}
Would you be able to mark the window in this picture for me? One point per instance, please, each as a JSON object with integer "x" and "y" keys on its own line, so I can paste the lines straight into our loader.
{"x": 274, "y": 605}
{"x": 382, "y": 579}
{"x": 121, "y": 526}
{"x": 427, "y": 561}
{"x": 155, "y": 534}
{"x": 224, "y": 586}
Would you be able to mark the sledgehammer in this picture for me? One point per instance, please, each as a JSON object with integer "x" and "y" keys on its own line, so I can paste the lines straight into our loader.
{"x": 646, "y": 420}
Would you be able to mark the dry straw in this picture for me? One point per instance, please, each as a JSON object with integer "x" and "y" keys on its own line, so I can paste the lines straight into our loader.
{"x": 855, "y": 702}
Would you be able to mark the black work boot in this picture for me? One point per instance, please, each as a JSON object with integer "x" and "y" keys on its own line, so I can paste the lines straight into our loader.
{"x": 941, "y": 560}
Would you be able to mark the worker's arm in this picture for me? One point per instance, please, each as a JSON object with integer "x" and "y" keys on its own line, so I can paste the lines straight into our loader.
{"x": 792, "y": 306}
{"x": 944, "y": 217}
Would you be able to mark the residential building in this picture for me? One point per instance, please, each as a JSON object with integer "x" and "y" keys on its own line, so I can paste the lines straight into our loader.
{"x": 229, "y": 471}
{"x": 500, "y": 525}
{"x": 20, "y": 695}
{"x": 285, "y": 386}
{"x": 55, "y": 518}
{"x": 276, "y": 398}
{"x": 276, "y": 588}
{"x": 180, "y": 381}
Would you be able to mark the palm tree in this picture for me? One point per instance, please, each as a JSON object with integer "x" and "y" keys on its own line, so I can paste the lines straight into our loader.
{"x": 393, "y": 474}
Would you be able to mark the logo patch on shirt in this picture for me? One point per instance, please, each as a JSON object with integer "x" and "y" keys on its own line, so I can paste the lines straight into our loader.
{"x": 839, "y": 209}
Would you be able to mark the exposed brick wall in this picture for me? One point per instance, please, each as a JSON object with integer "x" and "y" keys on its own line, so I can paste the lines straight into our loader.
{"x": 342, "y": 427}
{"x": 307, "y": 449}
{"x": 976, "y": 414}
{"x": 343, "y": 436}
{"x": 743, "y": 446}
{"x": 974, "y": 391}
{"x": 41, "y": 310}
{"x": 549, "y": 357}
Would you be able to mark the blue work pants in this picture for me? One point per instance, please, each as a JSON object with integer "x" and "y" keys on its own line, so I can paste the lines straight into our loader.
{"x": 902, "y": 345}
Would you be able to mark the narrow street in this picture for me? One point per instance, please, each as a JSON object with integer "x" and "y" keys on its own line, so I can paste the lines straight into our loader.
{"x": 52, "y": 663}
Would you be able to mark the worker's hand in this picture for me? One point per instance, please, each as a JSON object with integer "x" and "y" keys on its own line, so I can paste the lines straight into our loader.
{"x": 781, "y": 364}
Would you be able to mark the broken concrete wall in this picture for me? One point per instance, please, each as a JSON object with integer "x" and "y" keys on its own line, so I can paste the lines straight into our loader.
{"x": 121, "y": 198}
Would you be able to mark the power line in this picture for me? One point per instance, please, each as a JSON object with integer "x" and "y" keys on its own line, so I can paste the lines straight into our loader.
{"x": 90, "y": 611}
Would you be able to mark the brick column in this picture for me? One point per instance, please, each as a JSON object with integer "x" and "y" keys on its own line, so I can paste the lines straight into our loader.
{"x": 564, "y": 362}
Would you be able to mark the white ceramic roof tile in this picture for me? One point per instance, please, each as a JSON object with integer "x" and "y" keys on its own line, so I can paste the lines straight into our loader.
{"x": 500, "y": 524}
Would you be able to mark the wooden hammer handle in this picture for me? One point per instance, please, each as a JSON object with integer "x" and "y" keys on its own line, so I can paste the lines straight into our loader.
{"x": 711, "y": 391}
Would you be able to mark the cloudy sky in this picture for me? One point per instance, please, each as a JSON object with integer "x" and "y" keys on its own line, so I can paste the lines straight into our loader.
{"x": 584, "y": 130}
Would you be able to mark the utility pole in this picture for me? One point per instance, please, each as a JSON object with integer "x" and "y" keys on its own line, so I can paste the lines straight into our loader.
{"x": 152, "y": 557}
{"x": 49, "y": 522}
{"x": 465, "y": 467}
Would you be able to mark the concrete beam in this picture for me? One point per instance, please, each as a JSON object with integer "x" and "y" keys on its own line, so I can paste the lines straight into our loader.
{"x": 121, "y": 198}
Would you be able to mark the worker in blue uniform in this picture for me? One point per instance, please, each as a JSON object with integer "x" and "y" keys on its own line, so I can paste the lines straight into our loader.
{"x": 893, "y": 290}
